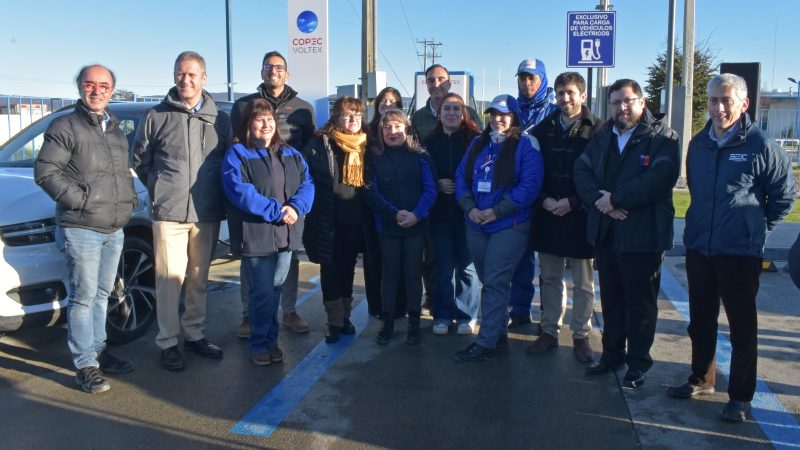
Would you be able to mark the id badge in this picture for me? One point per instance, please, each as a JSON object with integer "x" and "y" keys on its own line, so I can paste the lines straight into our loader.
{"x": 484, "y": 186}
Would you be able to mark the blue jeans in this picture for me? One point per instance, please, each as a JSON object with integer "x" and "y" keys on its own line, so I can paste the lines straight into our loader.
{"x": 522, "y": 288}
{"x": 495, "y": 256}
{"x": 265, "y": 275}
{"x": 92, "y": 260}
{"x": 450, "y": 245}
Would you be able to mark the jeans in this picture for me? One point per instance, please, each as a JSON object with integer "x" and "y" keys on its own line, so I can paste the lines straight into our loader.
{"x": 265, "y": 275}
{"x": 92, "y": 260}
{"x": 495, "y": 256}
{"x": 522, "y": 288}
{"x": 452, "y": 257}
{"x": 288, "y": 299}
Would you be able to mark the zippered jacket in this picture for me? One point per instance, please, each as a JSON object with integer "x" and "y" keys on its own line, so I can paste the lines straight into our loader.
{"x": 85, "y": 170}
{"x": 739, "y": 191}
{"x": 447, "y": 151}
{"x": 178, "y": 155}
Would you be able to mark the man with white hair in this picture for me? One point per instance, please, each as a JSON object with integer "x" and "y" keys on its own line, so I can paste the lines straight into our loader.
{"x": 741, "y": 186}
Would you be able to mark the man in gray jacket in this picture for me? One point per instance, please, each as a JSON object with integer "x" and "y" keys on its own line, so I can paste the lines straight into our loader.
{"x": 83, "y": 166}
{"x": 178, "y": 156}
{"x": 741, "y": 186}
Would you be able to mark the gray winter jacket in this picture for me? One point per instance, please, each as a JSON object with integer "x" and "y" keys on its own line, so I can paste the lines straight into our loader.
{"x": 178, "y": 156}
{"x": 85, "y": 170}
{"x": 739, "y": 191}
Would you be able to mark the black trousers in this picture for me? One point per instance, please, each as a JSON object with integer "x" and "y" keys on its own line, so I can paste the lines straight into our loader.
{"x": 735, "y": 279}
{"x": 629, "y": 284}
{"x": 402, "y": 265}
{"x": 337, "y": 278}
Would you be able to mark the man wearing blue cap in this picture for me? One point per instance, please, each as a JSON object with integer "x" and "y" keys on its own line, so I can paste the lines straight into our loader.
{"x": 536, "y": 101}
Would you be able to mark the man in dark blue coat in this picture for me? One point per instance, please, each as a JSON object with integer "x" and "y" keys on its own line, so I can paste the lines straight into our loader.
{"x": 741, "y": 186}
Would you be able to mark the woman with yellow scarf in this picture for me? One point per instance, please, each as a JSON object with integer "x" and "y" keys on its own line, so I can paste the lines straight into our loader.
{"x": 335, "y": 227}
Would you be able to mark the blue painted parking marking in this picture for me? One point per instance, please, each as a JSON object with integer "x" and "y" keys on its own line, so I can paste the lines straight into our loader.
{"x": 265, "y": 417}
{"x": 310, "y": 293}
{"x": 775, "y": 421}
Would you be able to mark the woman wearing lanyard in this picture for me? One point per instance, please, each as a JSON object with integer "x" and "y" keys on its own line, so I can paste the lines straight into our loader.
{"x": 496, "y": 184}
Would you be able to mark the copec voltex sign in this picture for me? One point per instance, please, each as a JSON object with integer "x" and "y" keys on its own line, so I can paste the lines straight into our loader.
{"x": 307, "y": 23}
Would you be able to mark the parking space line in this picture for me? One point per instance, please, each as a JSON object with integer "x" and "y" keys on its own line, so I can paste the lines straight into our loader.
{"x": 265, "y": 417}
{"x": 780, "y": 427}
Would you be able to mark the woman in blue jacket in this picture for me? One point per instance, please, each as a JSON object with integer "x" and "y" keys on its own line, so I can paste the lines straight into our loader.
{"x": 447, "y": 144}
{"x": 268, "y": 185}
{"x": 400, "y": 190}
{"x": 496, "y": 185}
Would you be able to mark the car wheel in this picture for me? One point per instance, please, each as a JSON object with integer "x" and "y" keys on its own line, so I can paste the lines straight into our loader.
{"x": 132, "y": 304}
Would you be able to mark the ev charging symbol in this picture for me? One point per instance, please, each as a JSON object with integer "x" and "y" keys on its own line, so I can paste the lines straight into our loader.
{"x": 590, "y": 50}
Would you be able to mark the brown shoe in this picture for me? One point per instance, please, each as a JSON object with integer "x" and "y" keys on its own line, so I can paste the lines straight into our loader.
{"x": 295, "y": 323}
{"x": 275, "y": 354}
{"x": 261, "y": 359}
{"x": 582, "y": 349}
{"x": 543, "y": 343}
{"x": 243, "y": 332}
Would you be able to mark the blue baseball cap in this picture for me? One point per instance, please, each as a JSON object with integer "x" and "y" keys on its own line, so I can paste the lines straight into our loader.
{"x": 505, "y": 104}
{"x": 532, "y": 66}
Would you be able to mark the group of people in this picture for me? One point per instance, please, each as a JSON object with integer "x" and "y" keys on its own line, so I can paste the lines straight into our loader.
{"x": 422, "y": 198}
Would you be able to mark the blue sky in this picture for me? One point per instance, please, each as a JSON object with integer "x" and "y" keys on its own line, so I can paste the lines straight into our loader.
{"x": 43, "y": 43}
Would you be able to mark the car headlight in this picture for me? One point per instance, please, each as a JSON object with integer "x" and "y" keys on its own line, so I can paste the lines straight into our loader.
{"x": 29, "y": 233}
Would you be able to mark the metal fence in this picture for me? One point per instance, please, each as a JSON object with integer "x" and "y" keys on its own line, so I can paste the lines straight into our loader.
{"x": 19, "y": 111}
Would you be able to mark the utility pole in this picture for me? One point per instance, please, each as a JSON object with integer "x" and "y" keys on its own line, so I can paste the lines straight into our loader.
{"x": 670, "y": 63}
{"x": 228, "y": 30}
{"x": 687, "y": 78}
{"x": 428, "y": 43}
{"x": 368, "y": 44}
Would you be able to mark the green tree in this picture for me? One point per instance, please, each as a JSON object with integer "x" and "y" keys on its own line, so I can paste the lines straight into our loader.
{"x": 705, "y": 67}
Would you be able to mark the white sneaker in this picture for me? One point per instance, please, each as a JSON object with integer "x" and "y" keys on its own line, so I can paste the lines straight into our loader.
{"x": 441, "y": 328}
{"x": 464, "y": 329}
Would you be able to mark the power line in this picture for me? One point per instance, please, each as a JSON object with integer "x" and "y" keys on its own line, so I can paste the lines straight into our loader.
{"x": 413, "y": 40}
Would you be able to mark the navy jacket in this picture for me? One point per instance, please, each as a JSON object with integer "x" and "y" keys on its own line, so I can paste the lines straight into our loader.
{"x": 399, "y": 179}
{"x": 447, "y": 151}
{"x": 739, "y": 191}
{"x": 640, "y": 181}
{"x": 247, "y": 182}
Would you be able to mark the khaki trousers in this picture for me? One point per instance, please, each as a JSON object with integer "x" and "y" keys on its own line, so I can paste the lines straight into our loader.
{"x": 554, "y": 294}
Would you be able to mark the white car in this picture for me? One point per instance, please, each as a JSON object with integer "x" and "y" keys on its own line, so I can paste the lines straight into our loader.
{"x": 33, "y": 275}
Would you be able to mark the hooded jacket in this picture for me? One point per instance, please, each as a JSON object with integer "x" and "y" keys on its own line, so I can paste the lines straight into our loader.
{"x": 534, "y": 110}
{"x": 640, "y": 181}
{"x": 294, "y": 116}
{"x": 562, "y": 235}
{"x": 85, "y": 170}
{"x": 739, "y": 190}
{"x": 178, "y": 154}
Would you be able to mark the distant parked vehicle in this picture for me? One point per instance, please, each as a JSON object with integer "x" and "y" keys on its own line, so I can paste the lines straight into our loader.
{"x": 33, "y": 275}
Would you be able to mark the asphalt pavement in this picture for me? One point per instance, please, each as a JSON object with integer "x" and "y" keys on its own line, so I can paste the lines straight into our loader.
{"x": 358, "y": 395}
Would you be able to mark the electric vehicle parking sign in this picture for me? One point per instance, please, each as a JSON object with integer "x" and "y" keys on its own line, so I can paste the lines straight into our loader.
{"x": 590, "y": 38}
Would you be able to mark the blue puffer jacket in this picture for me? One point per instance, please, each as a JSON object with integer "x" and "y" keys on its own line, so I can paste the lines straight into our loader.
{"x": 511, "y": 205}
{"x": 739, "y": 191}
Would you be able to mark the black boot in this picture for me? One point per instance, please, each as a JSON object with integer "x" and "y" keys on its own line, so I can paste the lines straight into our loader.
{"x": 413, "y": 337}
{"x": 335, "y": 311}
{"x": 387, "y": 328}
{"x": 348, "y": 328}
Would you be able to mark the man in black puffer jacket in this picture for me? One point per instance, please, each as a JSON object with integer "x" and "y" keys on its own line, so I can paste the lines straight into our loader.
{"x": 83, "y": 166}
{"x": 625, "y": 179}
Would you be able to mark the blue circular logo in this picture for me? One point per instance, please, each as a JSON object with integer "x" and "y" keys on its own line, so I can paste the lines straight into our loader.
{"x": 307, "y": 21}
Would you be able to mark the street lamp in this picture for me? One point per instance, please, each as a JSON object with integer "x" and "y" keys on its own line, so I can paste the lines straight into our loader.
{"x": 796, "y": 114}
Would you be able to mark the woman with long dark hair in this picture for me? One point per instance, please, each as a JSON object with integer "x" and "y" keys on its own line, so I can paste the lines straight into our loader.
{"x": 336, "y": 226}
{"x": 400, "y": 190}
{"x": 496, "y": 184}
{"x": 447, "y": 144}
{"x": 268, "y": 184}
{"x": 388, "y": 98}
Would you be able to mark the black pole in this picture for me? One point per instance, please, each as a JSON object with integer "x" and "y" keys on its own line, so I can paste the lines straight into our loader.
{"x": 230, "y": 53}
{"x": 589, "y": 87}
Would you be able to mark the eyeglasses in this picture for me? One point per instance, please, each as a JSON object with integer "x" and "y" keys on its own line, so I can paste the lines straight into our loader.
{"x": 277, "y": 67}
{"x": 627, "y": 101}
{"x": 349, "y": 117}
{"x": 91, "y": 86}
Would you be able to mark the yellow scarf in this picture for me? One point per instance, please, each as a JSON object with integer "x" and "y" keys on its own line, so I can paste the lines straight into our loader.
{"x": 354, "y": 147}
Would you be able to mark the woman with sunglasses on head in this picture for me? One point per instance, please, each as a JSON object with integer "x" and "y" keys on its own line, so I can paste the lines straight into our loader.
{"x": 496, "y": 184}
{"x": 400, "y": 189}
{"x": 337, "y": 224}
{"x": 447, "y": 144}
{"x": 270, "y": 190}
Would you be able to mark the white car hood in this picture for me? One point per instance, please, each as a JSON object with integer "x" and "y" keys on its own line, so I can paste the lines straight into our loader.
{"x": 21, "y": 200}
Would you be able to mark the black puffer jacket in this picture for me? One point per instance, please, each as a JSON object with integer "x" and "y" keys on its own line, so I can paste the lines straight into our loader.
{"x": 562, "y": 235}
{"x": 294, "y": 116}
{"x": 640, "y": 181}
{"x": 85, "y": 170}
